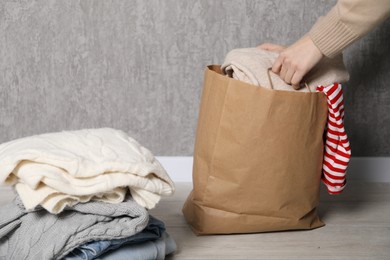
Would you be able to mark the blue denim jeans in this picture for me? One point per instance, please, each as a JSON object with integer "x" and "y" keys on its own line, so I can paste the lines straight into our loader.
{"x": 151, "y": 243}
{"x": 150, "y": 250}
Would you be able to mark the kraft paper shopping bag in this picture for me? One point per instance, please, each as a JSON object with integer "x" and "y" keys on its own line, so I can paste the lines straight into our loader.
{"x": 257, "y": 158}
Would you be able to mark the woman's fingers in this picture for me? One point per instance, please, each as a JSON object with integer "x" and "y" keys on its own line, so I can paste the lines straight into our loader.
{"x": 283, "y": 72}
{"x": 277, "y": 66}
{"x": 296, "y": 79}
{"x": 289, "y": 75}
{"x": 294, "y": 61}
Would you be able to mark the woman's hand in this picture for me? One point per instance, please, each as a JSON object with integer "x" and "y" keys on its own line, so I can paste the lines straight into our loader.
{"x": 295, "y": 60}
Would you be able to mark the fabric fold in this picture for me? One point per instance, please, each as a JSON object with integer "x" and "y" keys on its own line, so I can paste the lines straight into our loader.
{"x": 41, "y": 235}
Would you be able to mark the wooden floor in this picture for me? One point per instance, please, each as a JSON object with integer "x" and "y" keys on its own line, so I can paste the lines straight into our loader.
{"x": 357, "y": 227}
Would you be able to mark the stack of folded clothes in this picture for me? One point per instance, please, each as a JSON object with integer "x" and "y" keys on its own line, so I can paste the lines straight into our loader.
{"x": 82, "y": 195}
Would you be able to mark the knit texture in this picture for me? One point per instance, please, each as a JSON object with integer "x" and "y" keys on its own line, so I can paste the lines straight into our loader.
{"x": 251, "y": 65}
{"x": 337, "y": 150}
{"x": 346, "y": 22}
{"x": 325, "y": 31}
{"x": 41, "y": 235}
{"x": 56, "y": 170}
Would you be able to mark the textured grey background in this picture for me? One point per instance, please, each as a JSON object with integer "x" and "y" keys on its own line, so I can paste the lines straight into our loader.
{"x": 137, "y": 65}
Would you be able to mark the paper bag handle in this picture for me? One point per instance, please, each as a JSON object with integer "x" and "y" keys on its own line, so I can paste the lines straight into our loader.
{"x": 272, "y": 85}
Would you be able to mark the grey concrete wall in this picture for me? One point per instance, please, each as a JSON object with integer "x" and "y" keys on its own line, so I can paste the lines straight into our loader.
{"x": 137, "y": 65}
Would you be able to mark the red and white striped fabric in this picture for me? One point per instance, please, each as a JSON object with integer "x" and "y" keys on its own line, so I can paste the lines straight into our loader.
{"x": 337, "y": 150}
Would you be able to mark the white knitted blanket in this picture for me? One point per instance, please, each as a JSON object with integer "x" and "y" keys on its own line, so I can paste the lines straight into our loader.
{"x": 56, "y": 170}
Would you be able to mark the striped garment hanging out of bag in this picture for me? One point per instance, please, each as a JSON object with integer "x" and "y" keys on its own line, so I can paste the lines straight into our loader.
{"x": 337, "y": 150}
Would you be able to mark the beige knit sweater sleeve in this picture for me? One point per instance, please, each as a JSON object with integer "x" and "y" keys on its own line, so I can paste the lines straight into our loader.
{"x": 346, "y": 22}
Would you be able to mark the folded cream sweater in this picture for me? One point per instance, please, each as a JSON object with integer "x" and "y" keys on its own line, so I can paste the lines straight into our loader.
{"x": 56, "y": 170}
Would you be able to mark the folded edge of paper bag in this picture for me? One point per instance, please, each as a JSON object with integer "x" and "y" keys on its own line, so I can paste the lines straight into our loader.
{"x": 205, "y": 220}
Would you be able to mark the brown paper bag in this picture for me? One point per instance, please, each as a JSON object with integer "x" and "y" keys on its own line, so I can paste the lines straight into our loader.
{"x": 257, "y": 158}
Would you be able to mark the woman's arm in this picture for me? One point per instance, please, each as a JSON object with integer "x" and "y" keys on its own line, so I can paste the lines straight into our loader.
{"x": 346, "y": 22}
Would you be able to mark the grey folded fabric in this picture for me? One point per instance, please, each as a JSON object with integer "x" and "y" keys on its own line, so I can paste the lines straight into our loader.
{"x": 251, "y": 65}
{"x": 42, "y": 235}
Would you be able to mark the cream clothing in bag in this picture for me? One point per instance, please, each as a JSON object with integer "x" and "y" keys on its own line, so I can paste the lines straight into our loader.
{"x": 250, "y": 65}
{"x": 56, "y": 170}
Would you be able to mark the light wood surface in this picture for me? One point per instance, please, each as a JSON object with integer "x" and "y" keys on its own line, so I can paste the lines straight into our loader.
{"x": 357, "y": 227}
